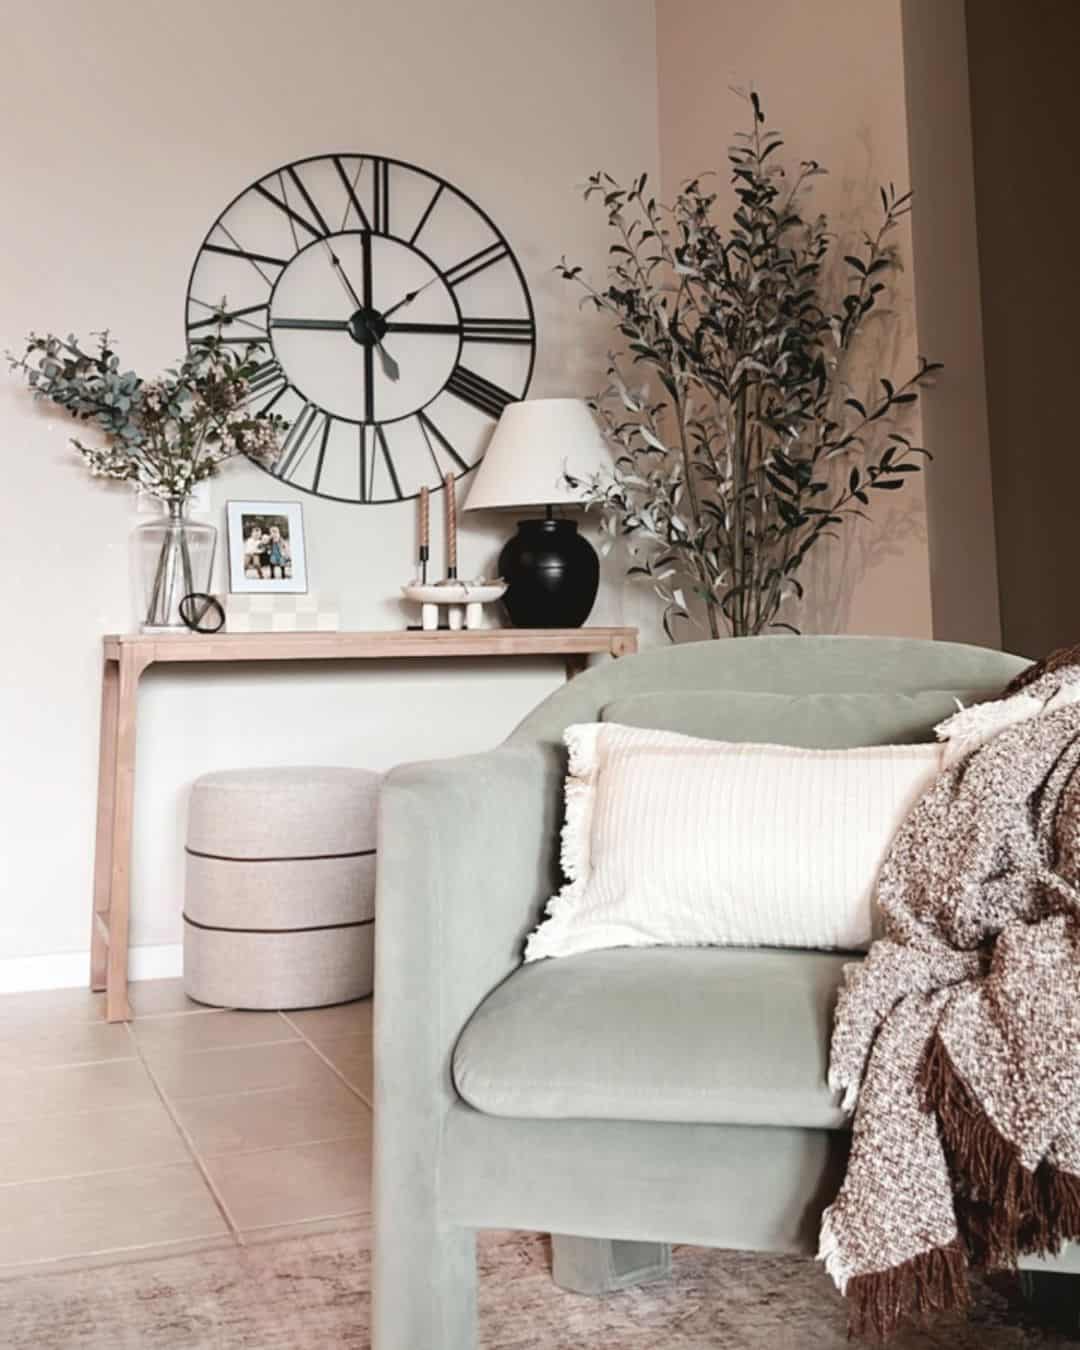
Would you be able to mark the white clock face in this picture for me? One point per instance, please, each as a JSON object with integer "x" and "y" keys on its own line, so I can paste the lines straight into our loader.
{"x": 397, "y": 321}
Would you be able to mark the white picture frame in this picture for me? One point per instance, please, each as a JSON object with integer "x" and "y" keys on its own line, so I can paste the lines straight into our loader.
{"x": 266, "y": 548}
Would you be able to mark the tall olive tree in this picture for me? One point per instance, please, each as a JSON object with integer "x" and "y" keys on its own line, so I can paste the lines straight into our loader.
{"x": 739, "y": 441}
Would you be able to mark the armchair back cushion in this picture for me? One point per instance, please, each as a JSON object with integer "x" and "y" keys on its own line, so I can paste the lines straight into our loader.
{"x": 785, "y": 665}
{"x": 808, "y": 721}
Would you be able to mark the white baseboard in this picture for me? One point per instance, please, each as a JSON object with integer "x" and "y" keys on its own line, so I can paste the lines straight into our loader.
{"x": 69, "y": 970}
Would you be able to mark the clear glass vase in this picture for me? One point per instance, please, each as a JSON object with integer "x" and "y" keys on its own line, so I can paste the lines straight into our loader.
{"x": 172, "y": 557}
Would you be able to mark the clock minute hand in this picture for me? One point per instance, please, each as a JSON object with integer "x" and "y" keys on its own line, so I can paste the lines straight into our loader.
{"x": 335, "y": 263}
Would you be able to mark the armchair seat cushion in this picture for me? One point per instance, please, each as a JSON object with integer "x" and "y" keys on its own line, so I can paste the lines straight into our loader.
{"x": 701, "y": 1035}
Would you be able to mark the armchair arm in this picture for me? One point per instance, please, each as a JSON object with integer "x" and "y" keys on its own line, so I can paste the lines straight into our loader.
{"x": 468, "y": 852}
{"x": 467, "y": 855}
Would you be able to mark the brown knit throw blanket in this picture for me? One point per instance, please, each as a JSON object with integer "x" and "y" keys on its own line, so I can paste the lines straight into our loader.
{"x": 958, "y": 1038}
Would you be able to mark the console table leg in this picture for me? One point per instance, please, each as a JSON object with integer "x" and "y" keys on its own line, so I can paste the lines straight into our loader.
{"x": 576, "y": 663}
{"x": 106, "y": 803}
{"x": 117, "y": 1008}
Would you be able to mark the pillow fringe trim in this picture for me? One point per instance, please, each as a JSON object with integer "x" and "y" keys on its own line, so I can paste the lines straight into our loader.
{"x": 579, "y": 793}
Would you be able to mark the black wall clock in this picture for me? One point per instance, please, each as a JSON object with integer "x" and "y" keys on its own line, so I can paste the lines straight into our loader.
{"x": 397, "y": 320}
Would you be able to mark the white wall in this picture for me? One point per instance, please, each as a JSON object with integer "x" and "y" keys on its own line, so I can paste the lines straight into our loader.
{"x": 127, "y": 126}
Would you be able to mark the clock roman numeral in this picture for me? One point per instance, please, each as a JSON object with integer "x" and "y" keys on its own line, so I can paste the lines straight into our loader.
{"x": 381, "y": 196}
{"x": 427, "y": 212}
{"x": 514, "y": 331}
{"x": 253, "y": 258}
{"x": 322, "y": 453}
{"x": 295, "y": 217}
{"x": 299, "y": 440}
{"x": 318, "y": 230}
{"x": 226, "y": 317}
{"x": 268, "y": 381}
{"x": 380, "y": 440}
{"x": 349, "y": 184}
{"x": 477, "y": 262}
{"x": 479, "y": 393}
{"x": 429, "y": 429}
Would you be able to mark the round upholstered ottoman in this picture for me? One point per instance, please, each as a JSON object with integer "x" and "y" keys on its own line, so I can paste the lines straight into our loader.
{"x": 279, "y": 909}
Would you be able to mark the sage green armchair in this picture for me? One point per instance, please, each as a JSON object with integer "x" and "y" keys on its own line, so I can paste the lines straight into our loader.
{"x": 620, "y": 1100}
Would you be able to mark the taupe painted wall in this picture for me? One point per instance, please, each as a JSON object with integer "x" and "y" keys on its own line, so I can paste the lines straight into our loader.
{"x": 1025, "y": 100}
{"x": 959, "y": 496}
{"x": 830, "y": 73}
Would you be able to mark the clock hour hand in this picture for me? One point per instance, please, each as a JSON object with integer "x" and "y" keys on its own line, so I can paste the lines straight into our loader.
{"x": 389, "y": 365}
{"x": 331, "y": 325}
{"x": 410, "y": 297}
{"x": 406, "y": 327}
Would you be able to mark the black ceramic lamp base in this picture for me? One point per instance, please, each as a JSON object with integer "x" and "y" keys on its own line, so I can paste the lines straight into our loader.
{"x": 552, "y": 574}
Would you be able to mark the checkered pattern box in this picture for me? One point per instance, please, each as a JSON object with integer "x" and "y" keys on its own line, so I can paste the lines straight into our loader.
{"x": 310, "y": 613}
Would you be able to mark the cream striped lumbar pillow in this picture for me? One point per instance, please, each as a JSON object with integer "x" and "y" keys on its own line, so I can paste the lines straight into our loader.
{"x": 670, "y": 840}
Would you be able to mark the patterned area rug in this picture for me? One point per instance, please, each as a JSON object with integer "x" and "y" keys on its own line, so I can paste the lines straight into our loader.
{"x": 311, "y": 1293}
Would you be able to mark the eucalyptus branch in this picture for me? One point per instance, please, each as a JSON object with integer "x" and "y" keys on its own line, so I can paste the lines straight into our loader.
{"x": 163, "y": 435}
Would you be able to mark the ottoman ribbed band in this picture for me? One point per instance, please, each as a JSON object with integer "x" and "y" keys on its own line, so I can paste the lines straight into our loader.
{"x": 309, "y": 928}
{"x": 292, "y": 857}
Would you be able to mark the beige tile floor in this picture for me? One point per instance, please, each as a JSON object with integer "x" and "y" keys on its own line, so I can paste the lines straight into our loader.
{"x": 188, "y": 1127}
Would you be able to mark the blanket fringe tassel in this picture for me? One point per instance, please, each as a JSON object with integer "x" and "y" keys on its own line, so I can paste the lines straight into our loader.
{"x": 1003, "y": 1211}
{"x": 932, "y": 1283}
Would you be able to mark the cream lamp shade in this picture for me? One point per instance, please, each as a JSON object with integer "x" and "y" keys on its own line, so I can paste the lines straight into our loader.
{"x": 536, "y": 443}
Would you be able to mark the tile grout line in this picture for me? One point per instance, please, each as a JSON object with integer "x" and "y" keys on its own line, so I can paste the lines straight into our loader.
{"x": 70, "y": 1113}
{"x": 107, "y": 1257}
{"x": 300, "y": 1144}
{"x": 246, "y": 1092}
{"x": 283, "y": 1228}
{"x": 98, "y": 1018}
{"x": 189, "y": 1143}
{"x": 17, "y": 1069}
{"x": 92, "y": 1172}
{"x": 329, "y": 1064}
{"x": 221, "y": 1049}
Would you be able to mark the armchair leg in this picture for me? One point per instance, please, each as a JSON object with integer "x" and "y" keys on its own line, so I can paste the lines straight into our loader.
{"x": 602, "y": 1265}
{"x": 424, "y": 1286}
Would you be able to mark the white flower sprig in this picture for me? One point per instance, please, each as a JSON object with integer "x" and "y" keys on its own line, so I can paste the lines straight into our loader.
{"x": 166, "y": 434}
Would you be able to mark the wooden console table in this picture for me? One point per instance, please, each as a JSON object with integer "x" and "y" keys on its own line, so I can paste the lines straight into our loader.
{"x": 126, "y": 657}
